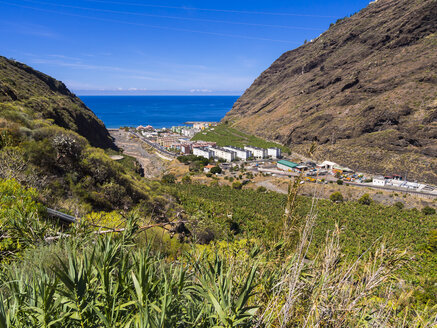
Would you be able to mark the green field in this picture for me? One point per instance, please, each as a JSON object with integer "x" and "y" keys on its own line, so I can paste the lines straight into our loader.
{"x": 225, "y": 135}
{"x": 259, "y": 216}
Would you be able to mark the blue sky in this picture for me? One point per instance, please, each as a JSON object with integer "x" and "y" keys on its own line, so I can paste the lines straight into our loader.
{"x": 160, "y": 47}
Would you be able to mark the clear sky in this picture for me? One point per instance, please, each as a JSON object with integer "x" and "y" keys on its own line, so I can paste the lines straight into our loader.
{"x": 162, "y": 47}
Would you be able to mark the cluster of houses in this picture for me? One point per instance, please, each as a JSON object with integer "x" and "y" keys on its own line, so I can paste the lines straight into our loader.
{"x": 230, "y": 153}
{"x": 192, "y": 128}
{"x": 177, "y": 138}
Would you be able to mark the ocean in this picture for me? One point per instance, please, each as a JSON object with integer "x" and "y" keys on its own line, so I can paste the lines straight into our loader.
{"x": 158, "y": 111}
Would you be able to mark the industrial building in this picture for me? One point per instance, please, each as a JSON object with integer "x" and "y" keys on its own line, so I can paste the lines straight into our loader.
{"x": 286, "y": 165}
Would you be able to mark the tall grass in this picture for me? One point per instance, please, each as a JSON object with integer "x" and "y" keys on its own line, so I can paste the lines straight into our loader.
{"x": 93, "y": 280}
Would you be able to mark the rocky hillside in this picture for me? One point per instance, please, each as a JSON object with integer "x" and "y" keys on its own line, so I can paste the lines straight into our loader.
{"x": 27, "y": 92}
{"x": 365, "y": 90}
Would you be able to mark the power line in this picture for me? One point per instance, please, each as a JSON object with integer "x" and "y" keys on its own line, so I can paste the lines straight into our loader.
{"x": 210, "y": 9}
{"x": 150, "y": 26}
{"x": 174, "y": 17}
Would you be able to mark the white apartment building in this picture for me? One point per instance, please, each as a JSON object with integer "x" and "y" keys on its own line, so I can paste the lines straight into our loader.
{"x": 240, "y": 153}
{"x": 222, "y": 153}
{"x": 203, "y": 152}
{"x": 274, "y": 152}
{"x": 257, "y": 152}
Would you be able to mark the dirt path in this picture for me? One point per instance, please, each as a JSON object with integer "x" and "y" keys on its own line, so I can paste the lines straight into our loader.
{"x": 270, "y": 186}
{"x": 153, "y": 165}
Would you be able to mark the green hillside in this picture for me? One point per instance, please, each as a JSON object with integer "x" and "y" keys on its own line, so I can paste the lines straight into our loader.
{"x": 224, "y": 135}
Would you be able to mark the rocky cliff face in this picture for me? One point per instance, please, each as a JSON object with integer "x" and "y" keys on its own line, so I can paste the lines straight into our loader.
{"x": 25, "y": 91}
{"x": 365, "y": 91}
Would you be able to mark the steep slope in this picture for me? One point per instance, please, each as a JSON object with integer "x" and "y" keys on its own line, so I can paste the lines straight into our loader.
{"x": 46, "y": 141}
{"x": 365, "y": 90}
{"x": 25, "y": 90}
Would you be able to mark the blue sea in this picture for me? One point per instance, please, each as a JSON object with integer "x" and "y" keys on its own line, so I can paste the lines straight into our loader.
{"x": 158, "y": 111}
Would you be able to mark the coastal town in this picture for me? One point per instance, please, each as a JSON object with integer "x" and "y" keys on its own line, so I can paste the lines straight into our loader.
{"x": 177, "y": 141}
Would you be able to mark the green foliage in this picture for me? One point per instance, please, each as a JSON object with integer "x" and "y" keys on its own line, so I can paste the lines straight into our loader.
{"x": 21, "y": 218}
{"x": 237, "y": 185}
{"x": 336, "y": 197}
{"x": 428, "y": 210}
{"x": 107, "y": 283}
{"x": 216, "y": 170}
{"x": 365, "y": 200}
{"x": 432, "y": 240}
{"x": 399, "y": 205}
{"x": 188, "y": 159}
{"x": 261, "y": 189}
{"x": 186, "y": 179}
{"x": 168, "y": 178}
{"x": 224, "y": 135}
{"x": 339, "y": 182}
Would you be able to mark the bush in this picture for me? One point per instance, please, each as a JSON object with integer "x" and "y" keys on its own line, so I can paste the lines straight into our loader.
{"x": 336, "y": 197}
{"x": 186, "y": 179}
{"x": 237, "y": 185}
{"x": 195, "y": 166}
{"x": 210, "y": 175}
{"x": 365, "y": 200}
{"x": 432, "y": 241}
{"x": 428, "y": 210}
{"x": 261, "y": 189}
{"x": 168, "y": 178}
{"x": 216, "y": 170}
{"x": 339, "y": 182}
{"x": 399, "y": 205}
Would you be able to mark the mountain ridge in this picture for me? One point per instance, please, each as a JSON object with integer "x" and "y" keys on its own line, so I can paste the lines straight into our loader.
{"x": 365, "y": 91}
{"x": 23, "y": 88}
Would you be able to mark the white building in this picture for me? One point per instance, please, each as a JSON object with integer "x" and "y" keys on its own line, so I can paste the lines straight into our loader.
{"x": 203, "y": 152}
{"x": 222, "y": 153}
{"x": 329, "y": 165}
{"x": 378, "y": 181}
{"x": 240, "y": 153}
{"x": 257, "y": 152}
{"x": 274, "y": 152}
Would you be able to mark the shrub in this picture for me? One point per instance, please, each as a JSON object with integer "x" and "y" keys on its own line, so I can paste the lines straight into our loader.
{"x": 428, "y": 210}
{"x": 195, "y": 166}
{"x": 237, "y": 185}
{"x": 216, "y": 170}
{"x": 186, "y": 179}
{"x": 365, "y": 200}
{"x": 399, "y": 205}
{"x": 168, "y": 178}
{"x": 339, "y": 182}
{"x": 432, "y": 241}
{"x": 336, "y": 197}
{"x": 210, "y": 175}
{"x": 261, "y": 189}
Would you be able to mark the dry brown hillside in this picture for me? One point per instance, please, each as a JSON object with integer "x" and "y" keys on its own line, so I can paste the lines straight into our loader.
{"x": 365, "y": 90}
